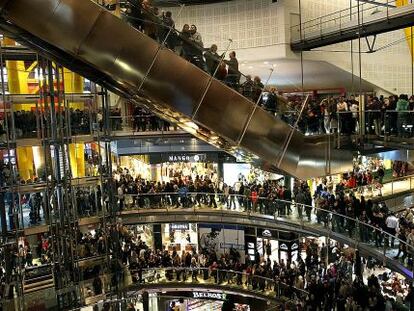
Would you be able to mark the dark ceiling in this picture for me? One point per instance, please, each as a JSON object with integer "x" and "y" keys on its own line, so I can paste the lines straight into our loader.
{"x": 186, "y": 2}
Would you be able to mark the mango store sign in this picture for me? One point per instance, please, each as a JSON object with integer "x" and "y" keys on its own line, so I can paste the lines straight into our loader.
{"x": 186, "y": 157}
{"x": 207, "y": 295}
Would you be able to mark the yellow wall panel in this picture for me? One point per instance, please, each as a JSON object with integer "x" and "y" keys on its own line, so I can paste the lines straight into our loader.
{"x": 77, "y": 160}
{"x": 25, "y": 162}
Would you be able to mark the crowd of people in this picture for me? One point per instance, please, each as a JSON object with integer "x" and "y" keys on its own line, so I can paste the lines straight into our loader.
{"x": 390, "y": 116}
{"x": 144, "y": 120}
{"x": 188, "y": 43}
{"x": 332, "y": 202}
{"x": 310, "y": 274}
{"x": 383, "y": 115}
{"x": 327, "y": 278}
{"x": 27, "y": 123}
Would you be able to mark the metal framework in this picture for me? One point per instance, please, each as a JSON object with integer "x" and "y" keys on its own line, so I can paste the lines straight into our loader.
{"x": 59, "y": 277}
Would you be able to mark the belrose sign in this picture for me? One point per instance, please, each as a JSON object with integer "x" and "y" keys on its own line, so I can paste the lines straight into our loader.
{"x": 207, "y": 295}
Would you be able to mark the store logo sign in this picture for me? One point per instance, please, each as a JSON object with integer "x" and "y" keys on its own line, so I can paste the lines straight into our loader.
{"x": 178, "y": 158}
{"x": 283, "y": 246}
{"x": 267, "y": 233}
{"x": 206, "y": 295}
{"x": 180, "y": 226}
{"x": 186, "y": 157}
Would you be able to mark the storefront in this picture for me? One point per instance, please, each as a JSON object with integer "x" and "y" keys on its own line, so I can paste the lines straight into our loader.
{"x": 277, "y": 245}
{"x": 175, "y": 236}
{"x": 144, "y": 233}
{"x": 189, "y": 304}
{"x": 190, "y": 237}
{"x": 234, "y": 172}
{"x": 137, "y": 165}
{"x": 166, "y": 167}
{"x": 179, "y": 237}
{"x": 222, "y": 239}
{"x": 211, "y": 300}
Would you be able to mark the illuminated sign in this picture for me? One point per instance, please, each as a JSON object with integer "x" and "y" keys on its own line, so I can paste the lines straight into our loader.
{"x": 283, "y": 246}
{"x": 207, "y": 295}
{"x": 186, "y": 157}
{"x": 180, "y": 226}
{"x": 266, "y": 233}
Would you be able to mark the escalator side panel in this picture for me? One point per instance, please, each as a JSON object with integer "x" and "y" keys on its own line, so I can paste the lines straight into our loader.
{"x": 74, "y": 23}
{"x": 320, "y": 155}
{"x": 176, "y": 82}
{"x": 224, "y": 111}
{"x": 62, "y": 21}
{"x": 313, "y": 158}
{"x": 109, "y": 47}
{"x": 98, "y": 39}
{"x": 267, "y": 138}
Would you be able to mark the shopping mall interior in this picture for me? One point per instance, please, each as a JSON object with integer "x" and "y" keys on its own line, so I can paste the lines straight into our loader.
{"x": 203, "y": 155}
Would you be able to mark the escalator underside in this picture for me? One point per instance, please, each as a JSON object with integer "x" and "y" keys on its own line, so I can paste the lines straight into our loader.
{"x": 90, "y": 40}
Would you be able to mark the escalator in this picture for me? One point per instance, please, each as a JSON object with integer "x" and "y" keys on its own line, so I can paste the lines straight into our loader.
{"x": 89, "y": 40}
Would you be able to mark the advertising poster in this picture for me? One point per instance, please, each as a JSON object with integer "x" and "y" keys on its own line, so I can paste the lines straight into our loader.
{"x": 222, "y": 239}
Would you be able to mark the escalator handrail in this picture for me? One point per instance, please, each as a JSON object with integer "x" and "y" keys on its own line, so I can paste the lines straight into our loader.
{"x": 159, "y": 22}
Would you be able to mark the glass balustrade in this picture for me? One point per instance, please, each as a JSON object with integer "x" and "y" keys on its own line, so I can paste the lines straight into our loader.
{"x": 196, "y": 276}
{"x": 137, "y": 124}
{"x": 129, "y": 281}
{"x": 369, "y": 231}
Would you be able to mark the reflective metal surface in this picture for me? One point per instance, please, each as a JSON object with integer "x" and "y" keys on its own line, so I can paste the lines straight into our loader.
{"x": 175, "y": 87}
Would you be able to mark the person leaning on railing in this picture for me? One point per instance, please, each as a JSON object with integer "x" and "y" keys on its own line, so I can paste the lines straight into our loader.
{"x": 373, "y": 115}
{"x": 402, "y": 114}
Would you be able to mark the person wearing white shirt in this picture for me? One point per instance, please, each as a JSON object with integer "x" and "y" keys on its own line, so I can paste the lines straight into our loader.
{"x": 341, "y": 109}
{"x": 121, "y": 197}
{"x": 354, "y": 108}
{"x": 392, "y": 223}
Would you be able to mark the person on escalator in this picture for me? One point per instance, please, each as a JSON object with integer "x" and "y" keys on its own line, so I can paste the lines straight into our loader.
{"x": 184, "y": 48}
{"x": 257, "y": 89}
{"x": 135, "y": 16}
{"x": 197, "y": 47}
{"x": 149, "y": 13}
{"x": 212, "y": 59}
{"x": 270, "y": 104}
{"x": 168, "y": 30}
{"x": 247, "y": 88}
{"x": 233, "y": 76}
{"x": 195, "y": 36}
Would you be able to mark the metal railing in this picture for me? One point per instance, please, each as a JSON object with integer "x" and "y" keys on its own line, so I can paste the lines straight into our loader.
{"x": 101, "y": 286}
{"x": 203, "y": 276}
{"x": 340, "y": 19}
{"x": 361, "y": 232}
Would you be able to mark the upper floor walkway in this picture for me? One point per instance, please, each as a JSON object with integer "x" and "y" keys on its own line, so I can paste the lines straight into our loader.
{"x": 365, "y": 19}
{"x": 364, "y": 229}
